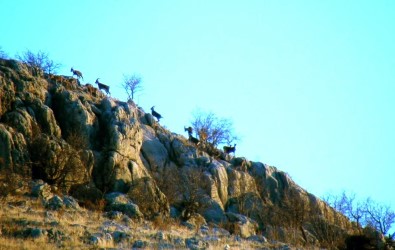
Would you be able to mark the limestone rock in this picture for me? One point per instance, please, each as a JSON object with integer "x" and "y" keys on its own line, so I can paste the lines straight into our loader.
{"x": 123, "y": 140}
{"x": 140, "y": 244}
{"x": 184, "y": 154}
{"x": 212, "y": 211}
{"x": 248, "y": 203}
{"x": 151, "y": 201}
{"x": 70, "y": 202}
{"x": 55, "y": 203}
{"x": 257, "y": 238}
{"x": 120, "y": 202}
{"x": 36, "y": 233}
{"x": 220, "y": 182}
{"x": 242, "y": 225}
{"x": 13, "y": 148}
{"x": 195, "y": 221}
{"x": 153, "y": 150}
{"x": 86, "y": 191}
{"x": 271, "y": 181}
{"x": 196, "y": 244}
{"x": 42, "y": 190}
{"x": 240, "y": 183}
{"x": 101, "y": 239}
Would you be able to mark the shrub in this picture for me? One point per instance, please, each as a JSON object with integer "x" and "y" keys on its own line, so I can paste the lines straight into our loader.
{"x": 56, "y": 162}
{"x": 10, "y": 183}
{"x": 39, "y": 60}
{"x": 212, "y": 130}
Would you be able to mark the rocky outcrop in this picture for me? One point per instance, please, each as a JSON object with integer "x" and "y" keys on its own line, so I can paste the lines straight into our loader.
{"x": 67, "y": 133}
{"x": 120, "y": 202}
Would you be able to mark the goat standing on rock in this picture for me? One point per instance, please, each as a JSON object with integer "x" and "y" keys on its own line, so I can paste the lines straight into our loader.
{"x": 155, "y": 114}
{"x": 77, "y": 73}
{"x": 189, "y": 130}
{"x": 103, "y": 86}
{"x": 230, "y": 149}
{"x": 194, "y": 140}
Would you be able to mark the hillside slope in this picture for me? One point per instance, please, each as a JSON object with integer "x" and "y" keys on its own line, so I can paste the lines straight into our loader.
{"x": 90, "y": 145}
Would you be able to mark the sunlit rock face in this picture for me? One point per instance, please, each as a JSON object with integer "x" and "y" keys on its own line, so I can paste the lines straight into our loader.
{"x": 117, "y": 147}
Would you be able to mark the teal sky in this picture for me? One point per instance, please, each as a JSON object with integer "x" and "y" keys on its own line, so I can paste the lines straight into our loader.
{"x": 309, "y": 85}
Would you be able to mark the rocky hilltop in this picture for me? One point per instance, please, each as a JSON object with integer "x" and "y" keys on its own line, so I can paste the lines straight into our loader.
{"x": 83, "y": 143}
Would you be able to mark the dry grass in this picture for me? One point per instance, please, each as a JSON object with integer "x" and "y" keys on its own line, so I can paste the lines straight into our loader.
{"x": 75, "y": 228}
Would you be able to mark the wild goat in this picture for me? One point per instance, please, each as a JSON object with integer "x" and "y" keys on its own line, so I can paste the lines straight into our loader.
{"x": 193, "y": 139}
{"x": 155, "y": 114}
{"x": 230, "y": 149}
{"x": 77, "y": 73}
{"x": 189, "y": 130}
{"x": 103, "y": 86}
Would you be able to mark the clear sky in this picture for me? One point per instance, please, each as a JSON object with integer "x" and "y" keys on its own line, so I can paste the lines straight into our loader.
{"x": 309, "y": 85}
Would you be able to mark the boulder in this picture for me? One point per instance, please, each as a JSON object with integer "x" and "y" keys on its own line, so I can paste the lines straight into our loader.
{"x": 70, "y": 202}
{"x": 114, "y": 215}
{"x": 183, "y": 153}
{"x": 120, "y": 202}
{"x": 174, "y": 212}
{"x": 248, "y": 204}
{"x": 153, "y": 150}
{"x": 13, "y": 148}
{"x": 122, "y": 138}
{"x": 55, "y": 161}
{"x": 272, "y": 182}
{"x": 120, "y": 236}
{"x": 195, "y": 221}
{"x": 86, "y": 191}
{"x": 240, "y": 182}
{"x": 22, "y": 121}
{"x": 257, "y": 238}
{"x": 140, "y": 244}
{"x": 42, "y": 190}
{"x": 151, "y": 201}
{"x": 101, "y": 239}
{"x": 36, "y": 233}
{"x": 241, "y": 225}
{"x": 55, "y": 203}
{"x": 212, "y": 211}
{"x": 196, "y": 244}
{"x": 219, "y": 186}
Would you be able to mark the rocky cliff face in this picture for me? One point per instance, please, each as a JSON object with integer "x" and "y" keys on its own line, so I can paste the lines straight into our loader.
{"x": 64, "y": 133}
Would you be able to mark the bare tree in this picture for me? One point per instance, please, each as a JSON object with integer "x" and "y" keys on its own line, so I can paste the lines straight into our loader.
{"x": 212, "y": 129}
{"x": 379, "y": 216}
{"x": 132, "y": 84}
{"x": 39, "y": 60}
{"x": 349, "y": 206}
{"x": 364, "y": 213}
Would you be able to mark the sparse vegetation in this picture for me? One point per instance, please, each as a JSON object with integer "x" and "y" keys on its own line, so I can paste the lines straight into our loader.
{"x": 184, "y": 189}
{"x": 212, "y": 131}
{"x": 132, "y": 85}
{"x": 63, "y": 169}
{"x": 10, "y": 182}
{"x": 26, "y": 224}
{"x": 364, "y": 213}
{"x": 369, "y": 216}
{"x": 39, "y": 60}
